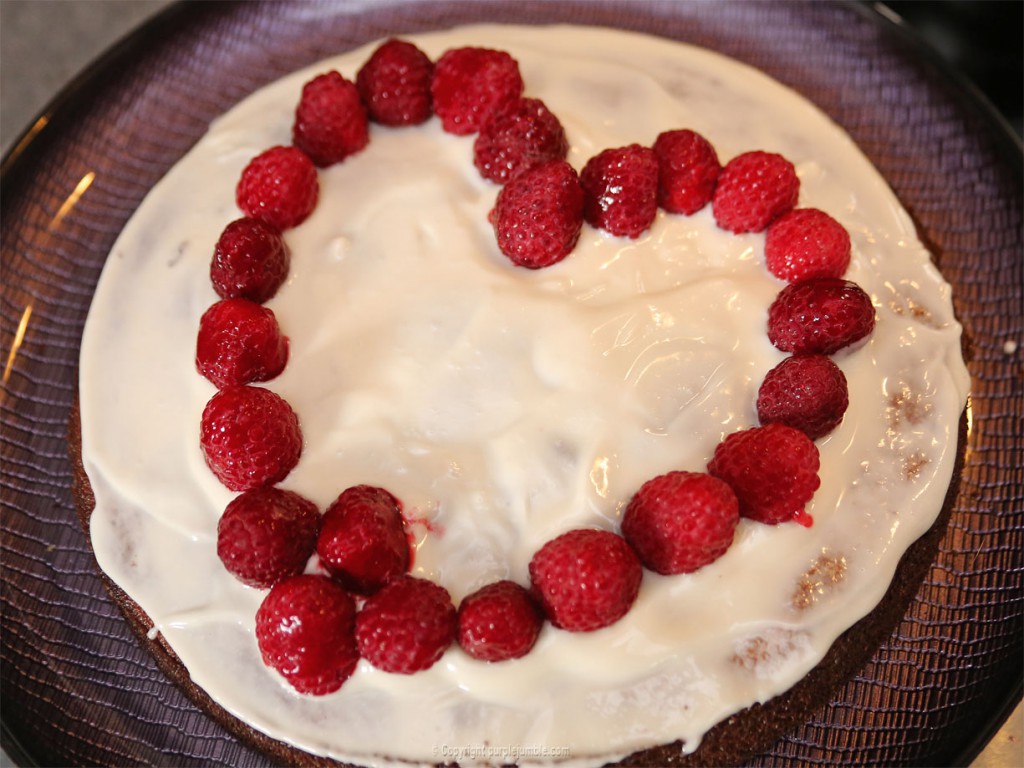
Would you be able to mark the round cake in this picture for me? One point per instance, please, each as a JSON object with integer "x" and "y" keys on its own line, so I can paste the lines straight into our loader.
{"x": 504, "y": 407}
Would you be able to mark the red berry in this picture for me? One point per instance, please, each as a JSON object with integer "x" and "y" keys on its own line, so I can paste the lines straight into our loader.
{"x": 773, "y": 470}
{"x": 820, "y": 316}
{"x": 681, "y": 521}
{"x": 539, "y": 214}
{"x": 305, "y": 629}
{"x": 395, "y": 84}
{"x": 519, "y": 135}
{"x": 806, "y": 243}
{"x": 362, "y": 541}
{"x": 330, "y": 120}
{"x": 620, "y": 190}
{"x": 469, "y": 83}
{"x": 808, "y": 392}
{"x": 406, "y": 626}
{"x": 499, "y": 621}
{"x": 250, "y": 437}
{"x": 266, "y": 535}
{"x": 688, "y": 170}
{"x": 755, "y": 188}
{"x": 279, "y": 186}
{"x": 250, "y": 261}
{"x": 586, "y": 579}
{"x": 239, "y": 342}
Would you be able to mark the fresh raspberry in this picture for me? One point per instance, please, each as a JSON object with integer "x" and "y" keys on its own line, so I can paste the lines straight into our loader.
{"x": 305, "y": 629}
{"x": 519, "y": 135}
{"x": 808, "y": 392}
{"x": 820, "y": 316}
{"x": 395, "y": 84}
{"x": 688, "y": 170}
{"x": 806, "y": 243}
{"x": 539, "y": 214}
{"x": 773, "y": 470}
{"x": 250, "y": 437}
{"x": 279, "y": 186}
{"x": 586, "y": 579}
{"x": 363, "y": 541}
{"x": 239, "y": 342}
{"x": 471, "y": 82}
{"x": 266, "y": 535}
{"x": 755, "y": 188}
{"x": 330, "y": 120}
{"x": 620, "y": 190}
{"x": 681, "y": 521}
{"x": 406, "y": 626}
{"x": 250, "y": 261}
{"x": 499, "y": 621}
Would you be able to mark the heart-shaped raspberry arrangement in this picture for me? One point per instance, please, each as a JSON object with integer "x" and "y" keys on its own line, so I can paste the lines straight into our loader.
{"x": 356, "y": 598}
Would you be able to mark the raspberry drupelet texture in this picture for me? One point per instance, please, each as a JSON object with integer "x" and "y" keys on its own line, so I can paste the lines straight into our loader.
{"x": 239, "y": 342}
{"x": 688, "y": 170}
{"x": 305, "y": 629}
{"x": 250, "y": 261}
{"x": 820, "y": 316}
{"x": 754, "y": 189}
{"x": 279, "y": 186}
{"x": 363, "y": 542}
{"x": 469, "y": 83}
{"x": 538, "y": 215}
{"x": 681, "y": 521}
{"x": 620, "y": 190}
{"x": 406, "y": 626}
{"x": 266, "y": 535}
{"x": 519, "y": 135}
{"x": 394, "y": 84}
{"x": 250, "y": 437}
{"x": 808, "y": 392}
{"x": 773, "y": 470}
{"x": 806, "y": 243}
{"x": 585, "y": 579}
{"x": 330, "y": 120}
{"x": 499, "y": 621}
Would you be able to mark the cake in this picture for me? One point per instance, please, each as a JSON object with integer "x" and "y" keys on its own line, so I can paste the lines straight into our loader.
{"x": 506, "y": 406}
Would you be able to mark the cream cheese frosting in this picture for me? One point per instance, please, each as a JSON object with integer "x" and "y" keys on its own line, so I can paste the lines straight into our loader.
{"x": 505, "y": 406}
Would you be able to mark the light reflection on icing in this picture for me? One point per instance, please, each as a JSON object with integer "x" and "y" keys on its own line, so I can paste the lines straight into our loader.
{"x": 504, "y": 407}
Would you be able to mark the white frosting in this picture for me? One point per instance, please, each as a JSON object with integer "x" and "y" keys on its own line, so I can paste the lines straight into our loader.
{"x": 506, "y": 406}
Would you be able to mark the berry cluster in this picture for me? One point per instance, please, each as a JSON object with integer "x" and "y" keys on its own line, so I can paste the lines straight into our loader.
{"x": 339, "y": 583}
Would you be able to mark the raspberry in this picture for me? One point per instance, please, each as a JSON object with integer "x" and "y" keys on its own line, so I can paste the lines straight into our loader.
{"x": 539, "y": 214}
{"x": 305, "y": 629}
{"x": 239, "y": 342}
{"x": 395, "y": 84}
{"x": 266, "y": 535}
{"x": 330, "y": 120}
{"x": 406, "y": 626}
{"x": 755, "y": 188}
{"x": 499, "y": 621}
{"x": 362, "y": 541}
{"x": 471, "y": 82}
{"x": 586, "y": 579}
{"x": 773, "y": 470}
{"x": 620, "y": 190}
{"x": 250, "y": 437}
{"x": 250, "y": 261}
{"x": 688, "y": 170}
{"x": 519, "y": 135}
{"x": 806, "y": 243}
{"x": 808, "y": 392}
{"x": 279, "y": 186}
{"x": 681, "y": 521}
{"x": 820, "y": 316}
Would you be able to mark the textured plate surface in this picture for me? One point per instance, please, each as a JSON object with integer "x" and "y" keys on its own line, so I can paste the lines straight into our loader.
{"x": 78, "y": 689}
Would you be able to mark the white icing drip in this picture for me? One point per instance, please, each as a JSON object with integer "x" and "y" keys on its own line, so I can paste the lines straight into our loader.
{"x": 506, "y": 406}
